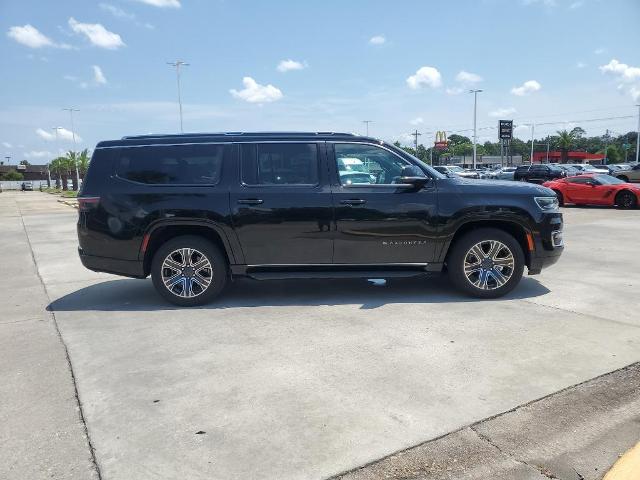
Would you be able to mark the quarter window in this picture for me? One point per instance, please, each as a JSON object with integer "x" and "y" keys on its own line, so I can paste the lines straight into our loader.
{"x": 360, "y": 164}
{"x": 172, "y": 165}
{"x": 279, "y": 163}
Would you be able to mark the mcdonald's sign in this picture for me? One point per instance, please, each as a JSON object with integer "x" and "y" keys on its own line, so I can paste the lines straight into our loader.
{"x": 441, "y": 140}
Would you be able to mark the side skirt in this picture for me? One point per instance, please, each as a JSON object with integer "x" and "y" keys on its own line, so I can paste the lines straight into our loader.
{"x": 277, "y": 272}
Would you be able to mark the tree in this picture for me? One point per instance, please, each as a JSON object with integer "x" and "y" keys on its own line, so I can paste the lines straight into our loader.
{"x": 613, "y": 154}
{"x": 13, "y": 176}
{"x": 58, "y": 168}
{"x": 458, "y": 139}
{"x": 565, "y": 140}
{"x": 72, "y": 164}
{"x": 24, "y": 162}
{"x": 83, "y": 162}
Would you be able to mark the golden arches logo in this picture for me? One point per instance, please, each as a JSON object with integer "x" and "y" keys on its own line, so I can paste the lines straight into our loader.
{"x": 441, "y": 140}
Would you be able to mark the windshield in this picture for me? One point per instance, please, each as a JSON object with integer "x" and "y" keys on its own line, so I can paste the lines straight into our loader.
{"x": 456, "y": 169}
{"x": 607, "y": 180}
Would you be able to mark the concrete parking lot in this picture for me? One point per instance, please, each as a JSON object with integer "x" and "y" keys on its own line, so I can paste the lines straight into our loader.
{"x": 287, "y": 379}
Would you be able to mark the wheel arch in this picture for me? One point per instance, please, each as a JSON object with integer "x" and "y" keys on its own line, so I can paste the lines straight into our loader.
{"x": 160, "y": 233}
{"x": 515, "y": 229}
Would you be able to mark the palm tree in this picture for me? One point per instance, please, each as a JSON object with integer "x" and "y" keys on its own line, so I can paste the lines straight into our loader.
{"x": 565, "y": 140}
{"x": 58, "y": 168}
{"x": 83, "y": 162}
{"x": 72, "y": 162}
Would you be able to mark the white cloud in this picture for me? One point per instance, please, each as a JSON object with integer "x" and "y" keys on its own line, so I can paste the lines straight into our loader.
{"x": 288, "y": 65}
{"x": 634, "y": 91}
{"x": 526, "y": 88}
{"x": 63, "y": 134}
{"x": 116, "y": 11}
{"x": 38, "y": 154}
{"x": 98, "y": 76}
{"x": 625, "y": 72}
{"x": 468, "y": 77}
{"x": 581, "y": 65}
{"x": 454, "y": 90}
{"x": 162, "y": 3}
{"x": 502, "y": 112}
{"x": 599, "y": 51}
{"x": 425, "y": 76}
{"x": 253, "y": 92}
{"x": 7, "y": 145}
{"x": 377, "y": 40}
{"x": 97, "y": 34}
{"x": 417, "y": 121}
{"x": 30, "y": 36}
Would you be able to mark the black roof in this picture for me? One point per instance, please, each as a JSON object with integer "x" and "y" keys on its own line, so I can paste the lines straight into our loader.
{"x": 227, "y": 137}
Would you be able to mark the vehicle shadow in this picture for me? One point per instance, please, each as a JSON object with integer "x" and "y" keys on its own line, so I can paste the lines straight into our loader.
{"x": 139, "y": 295}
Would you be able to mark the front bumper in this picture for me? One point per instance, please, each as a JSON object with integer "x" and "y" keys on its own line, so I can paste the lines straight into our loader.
{"x": 548, "y": 243}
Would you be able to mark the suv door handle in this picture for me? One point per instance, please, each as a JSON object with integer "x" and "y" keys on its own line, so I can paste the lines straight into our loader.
{"x": 353, "y": 201}
{"x": 250, "y": 201}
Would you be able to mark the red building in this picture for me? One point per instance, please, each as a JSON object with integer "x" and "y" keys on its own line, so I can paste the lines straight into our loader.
{"x": 572, "y": 157}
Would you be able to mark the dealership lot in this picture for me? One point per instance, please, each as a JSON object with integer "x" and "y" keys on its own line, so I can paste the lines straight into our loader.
{"x": 292, "y": 379}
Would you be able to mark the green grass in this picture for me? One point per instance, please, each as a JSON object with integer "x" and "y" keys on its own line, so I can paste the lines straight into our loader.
{"x": 70, "y": 194}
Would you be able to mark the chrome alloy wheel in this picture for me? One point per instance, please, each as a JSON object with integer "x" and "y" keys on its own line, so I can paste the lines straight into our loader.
{"x": 489, "y": 264}
{"x": 186, "y": 272}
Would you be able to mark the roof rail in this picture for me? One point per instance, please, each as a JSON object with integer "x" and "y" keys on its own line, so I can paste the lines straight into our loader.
{"x": 232, "y": 134}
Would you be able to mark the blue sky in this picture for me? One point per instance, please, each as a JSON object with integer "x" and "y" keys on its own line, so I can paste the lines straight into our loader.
{"x": 404, "y": 65}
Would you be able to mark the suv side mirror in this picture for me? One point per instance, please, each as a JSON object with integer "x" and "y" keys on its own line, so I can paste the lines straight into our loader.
{"x": 412, "y": 175}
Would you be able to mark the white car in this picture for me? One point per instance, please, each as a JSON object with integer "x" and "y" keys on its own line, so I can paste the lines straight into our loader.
{"x": 456, "y": 170}
{"x": 587, "y": 168}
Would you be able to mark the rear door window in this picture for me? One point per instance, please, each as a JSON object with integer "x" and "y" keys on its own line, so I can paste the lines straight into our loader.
{"x": 172, "y": 164}
{"x": 279, "y": 164}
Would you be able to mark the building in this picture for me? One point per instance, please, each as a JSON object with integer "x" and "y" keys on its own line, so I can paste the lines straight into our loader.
{"x": 29, "y": 172}
{"x": 555, "y": 156}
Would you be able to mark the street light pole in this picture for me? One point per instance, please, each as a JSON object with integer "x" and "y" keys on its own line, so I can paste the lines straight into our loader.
{"x": 475, "y": 131}
{"x": 638, "y": 136}
{"x": 73, "y": 134}
{"x": 606, "y": 137}
{"x": 367, "y": 122}
{"x": 177, "y": 64}
{"x": 533, "y": 126}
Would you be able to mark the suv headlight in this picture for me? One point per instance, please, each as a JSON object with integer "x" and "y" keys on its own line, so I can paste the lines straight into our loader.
{"x": 547, "y": 203}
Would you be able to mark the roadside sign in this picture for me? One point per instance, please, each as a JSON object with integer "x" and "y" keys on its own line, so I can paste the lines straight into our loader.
{"x": 441, "y": 140}
{"x": 505, "y": 129}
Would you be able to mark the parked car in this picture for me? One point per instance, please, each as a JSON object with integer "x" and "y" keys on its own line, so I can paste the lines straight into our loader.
{"x": 631, "y": 174}
{"x": 569, "y": 170}
{"x": 595, "y": 189}
{"x": 537, "y": 173}
{"x": 456, "y": 170}
{"x": 505, "y": 173}
{"x": 196, "y": 211}
{"x": 588, "y": 168}
{"x": 26, "y": 186}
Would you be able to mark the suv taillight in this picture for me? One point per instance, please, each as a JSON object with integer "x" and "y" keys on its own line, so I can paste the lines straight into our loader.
{"x": 86, "y": 204}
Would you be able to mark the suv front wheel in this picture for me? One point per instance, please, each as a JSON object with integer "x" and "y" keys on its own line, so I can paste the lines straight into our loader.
{"x": 486, "y": 263}
{"x": 189, "y": 271}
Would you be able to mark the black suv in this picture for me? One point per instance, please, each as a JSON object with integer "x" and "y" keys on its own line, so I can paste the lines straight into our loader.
{"x": 196, "y": 210}
{"x": 538, "y": 173}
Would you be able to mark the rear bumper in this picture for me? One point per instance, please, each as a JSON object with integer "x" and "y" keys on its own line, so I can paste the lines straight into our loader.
{"x": 126, "y": 268}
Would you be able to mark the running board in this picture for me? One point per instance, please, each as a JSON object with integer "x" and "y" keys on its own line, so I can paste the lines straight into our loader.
{"x": 280, "y": 275}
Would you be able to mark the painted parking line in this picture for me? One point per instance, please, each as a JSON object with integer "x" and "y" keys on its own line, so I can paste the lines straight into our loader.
{"x": 627, "y": 467}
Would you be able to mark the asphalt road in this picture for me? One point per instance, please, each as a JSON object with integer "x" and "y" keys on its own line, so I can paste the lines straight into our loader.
{"x": 303, "y": 379}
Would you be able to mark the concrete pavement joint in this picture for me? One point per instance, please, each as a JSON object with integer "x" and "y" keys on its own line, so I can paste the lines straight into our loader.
{"x": 94, "y": 460}
{"x": 486, "y": 439}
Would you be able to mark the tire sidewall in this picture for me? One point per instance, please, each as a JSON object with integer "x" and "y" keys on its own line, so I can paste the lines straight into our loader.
{"x": 215, "y": 257}
{"x": 455, "y": 262}
{"x": 624, "y": 193}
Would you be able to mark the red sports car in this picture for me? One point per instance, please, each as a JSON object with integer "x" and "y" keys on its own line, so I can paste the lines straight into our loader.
{"x": 595, "y": 189}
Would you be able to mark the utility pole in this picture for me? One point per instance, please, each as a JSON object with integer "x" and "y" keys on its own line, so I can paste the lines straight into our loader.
{"x": 638, "y": 136}
{"x": 73, "y": 134}
{"x": 547, "y": 148}
{"x": 475, "y": 131}
{"x": 177, "y": 64}
{"x": 606, "y": 137}
{"x": 533, "y": 126}
{"x": 416, "y": 134}
{"x": 367, "y": 122}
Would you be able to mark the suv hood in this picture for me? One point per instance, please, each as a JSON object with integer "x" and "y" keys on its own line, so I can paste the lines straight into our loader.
{"x": 499, "y": 187}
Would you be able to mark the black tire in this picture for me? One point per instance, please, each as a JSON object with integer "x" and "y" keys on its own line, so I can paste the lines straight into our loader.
{"x": 624, "y": 178}
{"x": 463, "y": 249}
{"x": 626, "y": 200}
{"x": 560, "y": 197}
{"x": 188, "y": 278}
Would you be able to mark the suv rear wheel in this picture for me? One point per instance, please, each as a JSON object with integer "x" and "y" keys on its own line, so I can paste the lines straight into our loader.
{"x": 486, "y": 263}
{"x": 189, "y": 271}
